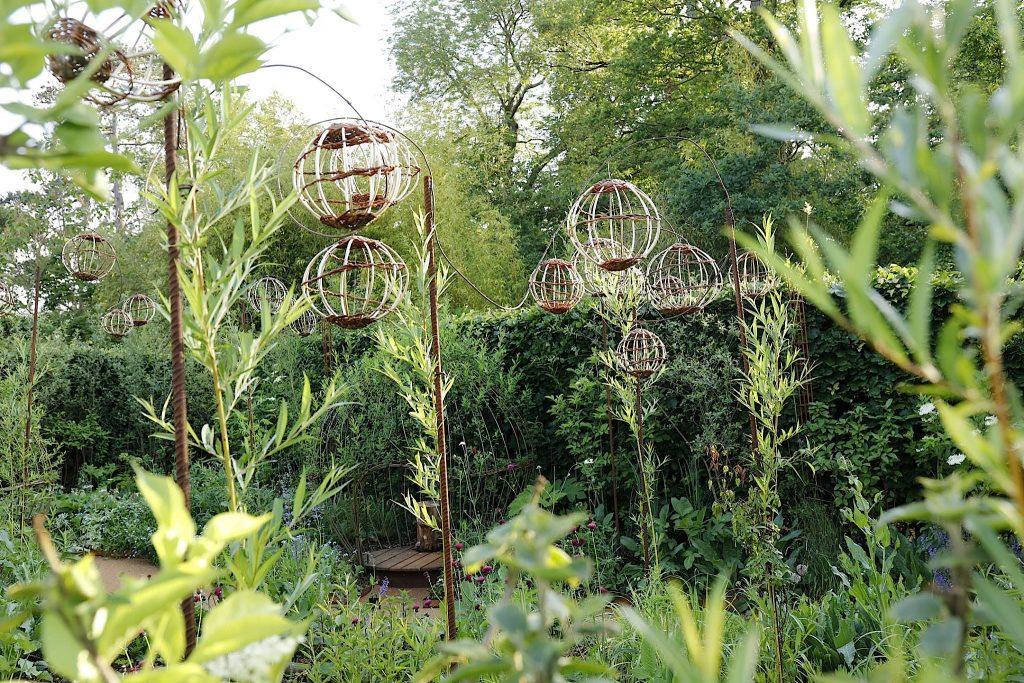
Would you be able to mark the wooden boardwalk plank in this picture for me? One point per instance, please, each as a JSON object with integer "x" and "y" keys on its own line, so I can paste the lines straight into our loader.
{"x": 404, "y": 560}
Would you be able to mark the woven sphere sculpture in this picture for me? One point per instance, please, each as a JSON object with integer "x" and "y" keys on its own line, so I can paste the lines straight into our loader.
{"x": 8, "y": 301}
{"x": 683, "y": 279}
{"x": 351, "y": 172}
{"x": 305, "y": 324}
{"x": 597, "y": 281}
{"x": 641, "y": 353}
{"x": 88, "y": 256}
{"x": 116, "y": 323}
{"x": 619, "y": 223}
{"x": 755, "y": 278}
{"x": 134, "y": 75}
{"x": 556, "y": 286}
{"x": 139, "y": 308}
{"x": 356, "y": 281}
{"x": 268, "y": 291}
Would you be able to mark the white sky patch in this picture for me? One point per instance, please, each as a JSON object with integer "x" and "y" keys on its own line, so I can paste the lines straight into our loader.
{"x": 352, "y": 57}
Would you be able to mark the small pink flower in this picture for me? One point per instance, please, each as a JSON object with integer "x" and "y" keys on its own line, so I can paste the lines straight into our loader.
{"x": 592, "y": 525}
{"x": 416, "y": 607}
{"x": 459, "y": 546}
{"x": 356, "y": 620}
{"x": 602, "y": 590}
{"x": 486, "y": 569}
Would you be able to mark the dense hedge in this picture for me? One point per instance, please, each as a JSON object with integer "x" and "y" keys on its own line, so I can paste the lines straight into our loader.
{"x": 527, "y": 390}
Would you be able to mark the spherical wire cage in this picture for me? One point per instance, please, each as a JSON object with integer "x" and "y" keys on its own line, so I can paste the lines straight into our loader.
{"x": 556, "y": 286}
{"x": 305, "y": 324}
{"x": 356, "y": 281}
{"x": 8, "y": 299}
{"x": 139, "y": 308}
{"x": 116, "y": 323}
{"x": 617, "y": 220}
{"x": 267, "y": 291}
{"x": 88, "y": 257}
{"x": 755, "y": 279}
{"x": 641, "y": 353}
{"x": 597, "y": 281}
{"x": 349, "y": 172}
{"x": 683, "y": 280}
{"x": 131, "y": 70}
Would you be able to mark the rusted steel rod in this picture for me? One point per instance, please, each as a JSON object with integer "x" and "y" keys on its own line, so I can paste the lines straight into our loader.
{"x": 30, "y": 389}
{"x": 178, "y": 401}
{"x": 611, "y": 432}
{"x": 442, "y": 443}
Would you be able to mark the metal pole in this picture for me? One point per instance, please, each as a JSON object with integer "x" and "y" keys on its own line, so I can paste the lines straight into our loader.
{"x": 31, "y": 381}
{"x": 645, "y": 534}
{"x": 442, "y": 445}
{"x": 180, "y": 407}
{"x": 611, "y": 432}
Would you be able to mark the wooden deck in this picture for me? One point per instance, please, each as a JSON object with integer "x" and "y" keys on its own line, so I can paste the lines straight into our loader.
{"x": 406, "y": 559}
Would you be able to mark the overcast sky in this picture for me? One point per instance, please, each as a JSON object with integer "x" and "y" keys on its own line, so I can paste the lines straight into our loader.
{"x": 352, "y": 57}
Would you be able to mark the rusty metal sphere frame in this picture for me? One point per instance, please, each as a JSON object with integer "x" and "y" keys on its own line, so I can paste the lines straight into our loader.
{"x": 641, "y": 352}
{"x": 683, "y": 280}
{"x": 116, "y": 323}
{"x": 556, "y": 286}
{"x": 266, "y": 290}
{"x": 356, "y": 281}
{"x": 130, "y": 72}
{"x": 88, "y": 257}
{"x": 140, "y": 309}
{"x": 755, "y": 278}
{"x": 350, "y": 171}
{"x": 618, "y": 222}
{"x": 306, "y": 323}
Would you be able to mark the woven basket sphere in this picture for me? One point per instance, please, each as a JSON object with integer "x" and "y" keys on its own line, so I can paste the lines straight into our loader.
{"x": 356, "y": 281}
{"x": 139, "y": 308}
{"x": 617, "y": 220}
{"x": 8, "y": 301}
{"x": 641, "y": 353}
{"x": 305, "y": 324}
{"x": 134, "y": 75}
{"x": 755, "y": 278}
{"x": 351, "y": 172}
{"x": 683, "y": 279}
{"x": 556, "y": 286}
{"x": 88, "y": 257}
{"x": 267, "y": 291}
{"x": 597, "y": 281}
{"x": 116, "y": 323}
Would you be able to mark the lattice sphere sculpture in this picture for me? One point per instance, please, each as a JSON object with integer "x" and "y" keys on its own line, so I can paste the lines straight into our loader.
{"x": 305, "y": 324}
{"x": 267, "y": 291}
{"x": 356, "y": 281}
{"x": 597, "y": 281}
{"x": 127, "y": 74}
{"x": 641, "y": 353}
{"x": 139, "y": 308}
{"x": 556, "y": 286}
{"x": 351, "y": 172}
{"x": 116, "y": 323}
{"x": 88, "y": 257}
{"x": 755, "y": 278}
{"x": 8, "y": 300}
{"x": 619, "y": 223}
{"x": 683, "y": 279}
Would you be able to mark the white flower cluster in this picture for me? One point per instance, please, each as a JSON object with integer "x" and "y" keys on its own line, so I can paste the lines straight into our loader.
{"x": 956, "y": 459}
{"x": 252, "y": 664}
{"x": 926, "y": 408}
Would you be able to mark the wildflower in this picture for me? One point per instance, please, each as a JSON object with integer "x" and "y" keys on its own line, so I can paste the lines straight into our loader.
{"x": 384, "y": 587}
{"x": 416, "y": 607}
{"x": 926, "y": 408}
{"x": 356, "y": 620}
{"x": 511, "y": 466}
{"x": 990, "y": 420}
{"x": 956, "y": 459}
{"x": 459, "y": 546}
{"x": 808, "y": 208}
{"x": 801, "y": 569}
{"x": 486, "y": 569}
{"x": 591, "y": 525}
{"x": 254, "y": 662}
{"x": 602, "y": 590}
{"x": 218, "y": 592}
{"x": 588, "y": 461}
{"x": 477, "y": 607}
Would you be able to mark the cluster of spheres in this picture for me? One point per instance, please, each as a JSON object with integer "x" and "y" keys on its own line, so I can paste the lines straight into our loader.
{"x": 614, "y": 228}
{"x": 348, "y": 174}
